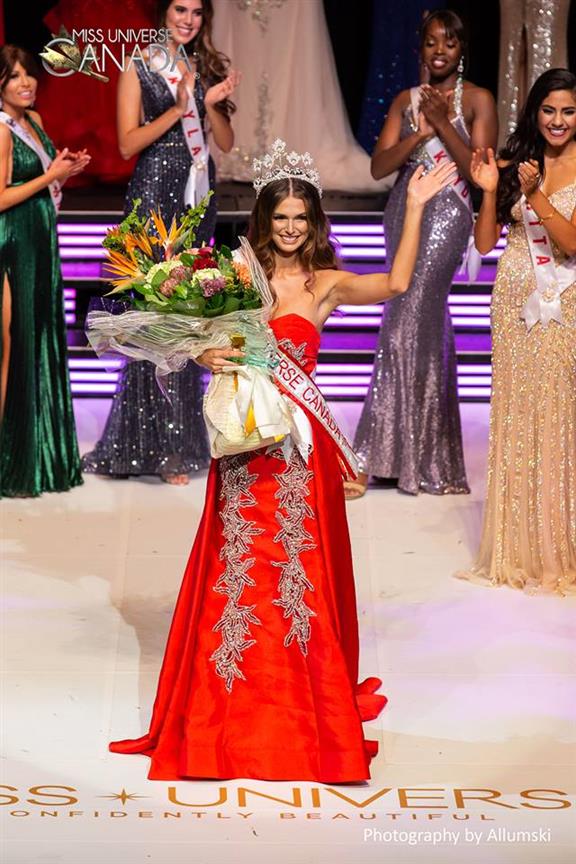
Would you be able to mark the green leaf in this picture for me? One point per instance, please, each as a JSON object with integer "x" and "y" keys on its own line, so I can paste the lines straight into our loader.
{"x": 232, "y": 304}
{"x": 158, "y": 279}
{"x": 226, "y": 252}
{"x": 194, "y": 306}
{"x": 216, "y": 301}
{"x": 187, "y": 259}
{"x": 181, "y": 291}
{"x": 213, "y": 313}
{"x": 252, "y": 304}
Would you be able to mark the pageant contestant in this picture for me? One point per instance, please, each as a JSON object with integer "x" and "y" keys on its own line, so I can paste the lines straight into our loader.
{"x": 529, "y": 535}
{"x": 38, "y": 447}
{"x": 409, "y": 429}
{"x": 158, "y": 113}
{"x": 260, "y": 672}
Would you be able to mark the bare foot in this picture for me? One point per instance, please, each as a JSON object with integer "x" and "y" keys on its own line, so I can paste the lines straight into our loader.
{"x": 176, "y": 479}
{"x": 355, "y": 488}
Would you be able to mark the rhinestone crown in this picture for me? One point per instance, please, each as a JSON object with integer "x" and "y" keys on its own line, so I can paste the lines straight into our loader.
{"x": 280, "y": 165}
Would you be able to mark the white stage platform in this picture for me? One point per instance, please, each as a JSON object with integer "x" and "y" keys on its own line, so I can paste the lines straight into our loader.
{"x": 477, "y": 742}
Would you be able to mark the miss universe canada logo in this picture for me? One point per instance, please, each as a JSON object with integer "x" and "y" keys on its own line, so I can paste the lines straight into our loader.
{"x": 64, "y": 54}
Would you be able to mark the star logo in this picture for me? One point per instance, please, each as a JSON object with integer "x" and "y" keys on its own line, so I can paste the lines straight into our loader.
{"x": 123, "y": 796}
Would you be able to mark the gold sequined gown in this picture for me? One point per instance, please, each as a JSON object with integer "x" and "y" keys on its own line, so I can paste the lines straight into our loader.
{"x": 533, "y": 38}
{"x": 529, "y": 533}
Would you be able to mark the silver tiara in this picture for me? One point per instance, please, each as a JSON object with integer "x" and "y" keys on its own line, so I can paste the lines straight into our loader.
{"x": 281, "y": 165}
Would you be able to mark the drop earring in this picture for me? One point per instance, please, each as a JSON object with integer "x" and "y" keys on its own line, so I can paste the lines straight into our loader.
{"x": 459, "y": 87}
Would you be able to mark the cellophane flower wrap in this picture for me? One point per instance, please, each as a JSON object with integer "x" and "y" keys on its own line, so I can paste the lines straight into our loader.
{"x": 183, "y": 300}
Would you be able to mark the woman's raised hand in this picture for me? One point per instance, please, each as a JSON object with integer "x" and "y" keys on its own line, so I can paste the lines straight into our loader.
{"x": 434, "y": 105}
{"x": 422, "y": 187}
{"x": 529, "y": 177}
{"x": 484, "y": 170}
{"x": 183, "y": 89}
{"x": 67, "y": 164}
{"x": 217, "y": 359}
{"x": 222, "y": 90}
{"x": 425, "y": 128}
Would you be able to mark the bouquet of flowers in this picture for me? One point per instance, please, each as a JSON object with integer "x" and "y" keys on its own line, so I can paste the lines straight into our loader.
{"x": 183, "y": 300}
{"x": 160, "y": 271}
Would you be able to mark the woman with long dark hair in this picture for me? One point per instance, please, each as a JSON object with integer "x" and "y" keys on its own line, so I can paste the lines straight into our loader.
{"x": 163, "y": 116}
{"x": 38, "y": 447}
{"x": 260, "y": 675}
{"x": 409, "y": 430}
{"x": 529, "y": 534}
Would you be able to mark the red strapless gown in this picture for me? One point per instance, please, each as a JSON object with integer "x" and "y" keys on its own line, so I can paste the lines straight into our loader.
{"x": 260, "y": 673}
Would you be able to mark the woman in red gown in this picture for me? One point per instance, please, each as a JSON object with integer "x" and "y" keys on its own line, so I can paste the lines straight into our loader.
{"x": 261, "y": 667}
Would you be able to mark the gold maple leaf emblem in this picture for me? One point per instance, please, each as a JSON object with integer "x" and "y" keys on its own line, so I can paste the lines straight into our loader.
{"x": 63, "y": 53}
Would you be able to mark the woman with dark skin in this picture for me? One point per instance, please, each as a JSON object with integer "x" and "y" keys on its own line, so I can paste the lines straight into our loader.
{"x": 409, "y": 429}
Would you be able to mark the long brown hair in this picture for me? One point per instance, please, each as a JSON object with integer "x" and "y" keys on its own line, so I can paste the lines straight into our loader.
{"x": 9, "y": 56}
{"x": 317, "y": 253}
{"x": 527, "y": 142}
{"x": 213, "y": 65}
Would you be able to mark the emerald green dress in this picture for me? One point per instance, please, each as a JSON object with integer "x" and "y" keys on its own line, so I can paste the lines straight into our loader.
{"x": 38, "y": 446}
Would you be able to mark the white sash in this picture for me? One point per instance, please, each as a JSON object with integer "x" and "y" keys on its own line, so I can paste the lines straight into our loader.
{"x": 295, "y": 381}
{"x": 198, "y": 183}
{"x": 552, "y": 279}
{"x": 54, "y": 188}
{"x": 438, "y": 155}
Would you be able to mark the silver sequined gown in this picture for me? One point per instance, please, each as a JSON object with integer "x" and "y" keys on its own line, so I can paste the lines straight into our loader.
{"x": 146, "y": 433}
{"x": 409, "y": 428}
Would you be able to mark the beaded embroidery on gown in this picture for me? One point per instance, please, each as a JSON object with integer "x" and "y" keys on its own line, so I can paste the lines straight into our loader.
{"x": 260, "y": 672}
{"x": 529, "y": 533}
{"x": 146, "y": 433}
{"x": 38, "y": 446}
{"x": 410, "y": 428}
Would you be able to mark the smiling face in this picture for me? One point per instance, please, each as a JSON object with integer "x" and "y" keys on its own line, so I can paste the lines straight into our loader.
{"x": 557, "y": 118}
{"x": 441, "y": 52}
{"x": 290, "y": 225}
{"x": 184, "y": 20}
{"x": 18, "y": 91}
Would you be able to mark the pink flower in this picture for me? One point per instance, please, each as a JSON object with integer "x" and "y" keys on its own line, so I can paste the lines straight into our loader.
{"x": 180, "y": 273}
{"x": 168, "y": 286}
{"x": 213, "y": 286}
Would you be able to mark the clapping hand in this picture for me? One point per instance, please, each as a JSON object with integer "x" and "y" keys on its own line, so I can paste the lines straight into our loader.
{"x": 434, "y": 105}
{"x": 422, "y": 187}
{"x": 68, "y": 163}
{"x": 222, "y": 90}
{"x": 529, "y": 177}
{"x": 425, "y": 128}
{"x": 184, "y": 87}
{"x": 484, "y": 170}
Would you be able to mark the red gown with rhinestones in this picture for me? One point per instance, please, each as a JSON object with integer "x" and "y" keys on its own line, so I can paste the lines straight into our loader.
{"x": 260, "y": 673}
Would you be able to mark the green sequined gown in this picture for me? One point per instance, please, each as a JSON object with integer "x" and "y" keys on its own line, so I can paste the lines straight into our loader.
{"x": 38, "y": 447}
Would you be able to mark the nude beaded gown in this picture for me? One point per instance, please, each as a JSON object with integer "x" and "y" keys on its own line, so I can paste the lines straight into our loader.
{"x": 529, "y": 534}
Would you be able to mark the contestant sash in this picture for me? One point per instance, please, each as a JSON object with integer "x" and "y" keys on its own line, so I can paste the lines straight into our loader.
{"x": 45, "y": 160}
{"x": 438, "y": 154}
{"x": 552, "y": 279}
{"x": 198, "y": 183}
{"x": 306, "y": 394}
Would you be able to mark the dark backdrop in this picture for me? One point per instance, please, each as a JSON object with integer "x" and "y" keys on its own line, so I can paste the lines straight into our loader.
{"x": 375, "y": 46}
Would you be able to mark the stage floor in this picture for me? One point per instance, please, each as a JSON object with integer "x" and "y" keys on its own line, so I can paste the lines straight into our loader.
{"x": 481, "y": 687}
